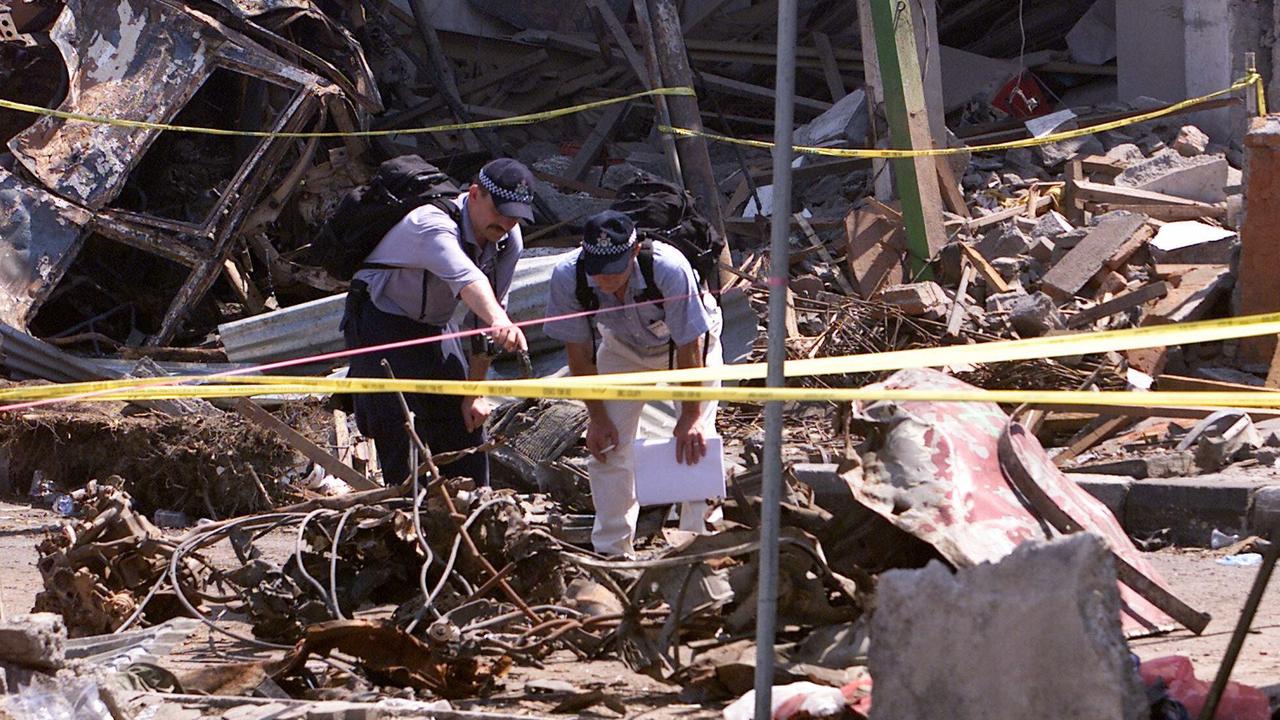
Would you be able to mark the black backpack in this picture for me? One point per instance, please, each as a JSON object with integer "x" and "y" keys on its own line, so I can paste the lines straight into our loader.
{"x": 662, "y": 211}
{"x": 367, "y": 213}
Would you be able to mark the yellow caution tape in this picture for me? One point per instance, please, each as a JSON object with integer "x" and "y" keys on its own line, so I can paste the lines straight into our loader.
{"x": 642, "y": 386}
{"x": 1251, "y": 79}
{"x": 480, "y": 124}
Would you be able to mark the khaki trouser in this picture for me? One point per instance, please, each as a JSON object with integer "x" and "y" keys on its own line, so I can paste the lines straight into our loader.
{"x": 613, "y": 482}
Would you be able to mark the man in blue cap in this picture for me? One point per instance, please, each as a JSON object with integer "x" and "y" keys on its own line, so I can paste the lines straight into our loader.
{"x": 409, "y": 288}
{"x": 667, "y": 320}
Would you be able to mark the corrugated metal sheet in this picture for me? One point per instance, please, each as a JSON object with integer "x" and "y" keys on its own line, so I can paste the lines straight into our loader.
{"x": 935, "y": 473}
{"x": 312, "y": 328}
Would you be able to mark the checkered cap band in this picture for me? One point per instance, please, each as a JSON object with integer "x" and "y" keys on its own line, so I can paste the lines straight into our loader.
{"x": 521, "y": 194}
{"x": 609, "y": 248}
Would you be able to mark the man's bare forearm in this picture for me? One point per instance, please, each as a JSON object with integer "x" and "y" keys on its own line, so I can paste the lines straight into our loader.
{"x": 690, "y": 356}
{"x": 479, "y": 298}
{"x": 582, "y": 362}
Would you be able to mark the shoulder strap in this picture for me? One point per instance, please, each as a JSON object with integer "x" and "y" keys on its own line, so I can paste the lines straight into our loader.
{"x": 582, "y": 290}
{"x": 645, "y": 259}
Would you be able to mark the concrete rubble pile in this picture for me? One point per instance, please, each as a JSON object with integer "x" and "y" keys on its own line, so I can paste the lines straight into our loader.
{"x": 242, "y": 558}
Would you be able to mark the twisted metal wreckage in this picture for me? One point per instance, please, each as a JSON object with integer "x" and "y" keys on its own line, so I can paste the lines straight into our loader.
{"x": 182, "y": 198}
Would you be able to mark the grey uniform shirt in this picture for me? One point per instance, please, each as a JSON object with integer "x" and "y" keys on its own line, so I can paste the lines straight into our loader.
{"x": 426, "y": 239}
{"x": 683, "y": 316}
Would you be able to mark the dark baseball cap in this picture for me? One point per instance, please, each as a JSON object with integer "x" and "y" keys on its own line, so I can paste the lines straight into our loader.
{"x": 607, "y": 239}
{"x": 511, "y": 185}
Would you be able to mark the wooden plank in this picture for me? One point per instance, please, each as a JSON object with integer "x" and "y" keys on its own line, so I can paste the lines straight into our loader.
{"x": 1259, "y": 250}
{"x": 989, "y": 274}
{"x": 1139, "y": 297}
{"x": 1083, "y": 261}
{"x": 903, "y": 87}
{"x": 607, "y": 124}
{"x": 623, "y": 41}
{"x": 1199, "y": 290}
{"x": 1166, "y": 213}
{"x": 830, "y": 70}
{"x": 995, "y": 218}
{"x": 1091, "y": 436}
{"x": 956, "y": 317}
{"x": 1073, "y": 207}
{"x": 1089, "y": 191}
{"x": 1139, "y": 411}
{"x": 575, "y": 185}
{"x": 949, "y": 185}
{"x": 1181, "y": 382}
{"x": 758, "y": 92}
{"x": 873, "y": 261}
{"x": 1135, "y": 243}
{"x": 708, "y": 10}
{"x": 299, "y": 442}
{"x": 823, "y": 253}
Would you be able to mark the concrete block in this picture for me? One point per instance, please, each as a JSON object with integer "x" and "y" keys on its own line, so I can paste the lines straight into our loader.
{"x": 1041, "y": 249}
{"x": 1202, "y": 178}
{"x": 1051, "y": 225}
{"x": 830, "y": 491}
{"x": 1163, "y": 465}
{"x": 1264, "y": 516}
{"x": 1003, "y": 242}
{"x": 1035, "y": 635}
{"x": 1127, "y": 153}
{"x": 1055, "y": 154}
{"x": 1191, "y": 508}
{"x": 1111, "y": 490}
{"x": 37, "y": 640}
{"x": 920, "y": 299}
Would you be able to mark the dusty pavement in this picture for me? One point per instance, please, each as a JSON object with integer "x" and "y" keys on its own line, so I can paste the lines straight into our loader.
{"x": 1194, "y": 574}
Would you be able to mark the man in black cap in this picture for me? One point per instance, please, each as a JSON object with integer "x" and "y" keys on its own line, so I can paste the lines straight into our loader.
{"x": 410, "y": 287}
{"x": 654, "y": 316}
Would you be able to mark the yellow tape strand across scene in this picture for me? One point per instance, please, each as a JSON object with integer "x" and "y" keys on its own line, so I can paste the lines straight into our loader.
{"x": 480, "y": 124}
{"x": 1252, "y": 79}
{"x": 642, "y": 386}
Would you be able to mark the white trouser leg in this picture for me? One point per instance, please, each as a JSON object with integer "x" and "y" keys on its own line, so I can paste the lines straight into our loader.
{"x": 613, "y": 482}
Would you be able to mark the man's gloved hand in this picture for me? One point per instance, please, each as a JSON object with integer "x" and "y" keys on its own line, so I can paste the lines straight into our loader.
{"x": 602, "y": 436}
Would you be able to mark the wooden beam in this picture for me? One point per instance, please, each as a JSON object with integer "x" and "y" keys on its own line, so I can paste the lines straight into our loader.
{"x": 299, "y": 442}
{"x": 1137, "y": 298}
{"x": 1089, "y": 191}
{"x": 1166, "y": 213}
{"x": 824, "y": 253}
{"x": 830, "y": 70}
{"x": 758, "y": 92}
{"x": 903, "y": 89}
{"x": 605, "y": 126}
{"x": 989, "y": 274}
{"x": 1091, "y": 436}
{"x": 995, "y": 218}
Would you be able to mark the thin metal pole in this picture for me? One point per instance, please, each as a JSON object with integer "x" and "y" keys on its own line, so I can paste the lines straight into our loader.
{"x": 779, "y": 262}
{"x": 1269, "y": 557}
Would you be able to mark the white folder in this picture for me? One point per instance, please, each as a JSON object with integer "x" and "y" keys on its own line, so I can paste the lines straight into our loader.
{"x": 661, "y": 480}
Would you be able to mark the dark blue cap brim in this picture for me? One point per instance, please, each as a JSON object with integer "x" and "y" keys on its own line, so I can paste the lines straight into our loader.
{"x": 517, "y": 210}
{"x": 606, "y": 264}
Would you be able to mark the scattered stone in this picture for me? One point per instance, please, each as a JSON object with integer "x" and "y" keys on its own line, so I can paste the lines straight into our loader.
{"x": 1034, "y": 315}
{"x": 37, "y": 640}
{"x": 998, "y": 302}
{"x": 845, "y": 121}
{"x": 1202, "y": 177}
{"x": 1038, "y": 633}
{"x": 1010, "y": 268}
{"x": 922, "y": 299}
{"x": 1219, "y": 438}
{"x": 1190, "y": 141}
{"x": 1003, "y": 242}
{"x": 1127, "y": 153}
{"x": 1041, "y": 249}
{"x": 1264, "y": 518}
{"x": 1051, "y": 225}
{"x": 1159, "y": 465}
{"x": 1150, "y": 144}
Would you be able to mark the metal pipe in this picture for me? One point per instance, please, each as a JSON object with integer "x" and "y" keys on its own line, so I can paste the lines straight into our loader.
{"x": 779, "y": 264}
{"x": 1260, "y": 581}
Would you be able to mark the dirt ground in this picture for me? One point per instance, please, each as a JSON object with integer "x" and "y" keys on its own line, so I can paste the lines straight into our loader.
{"x": 1193, "y": 574}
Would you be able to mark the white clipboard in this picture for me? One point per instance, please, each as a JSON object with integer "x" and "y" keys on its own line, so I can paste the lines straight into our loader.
{"x": 660, "y": 480}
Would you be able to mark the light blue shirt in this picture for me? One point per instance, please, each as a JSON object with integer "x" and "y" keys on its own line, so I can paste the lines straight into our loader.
{"x": 426, "y": 239}
{"x": 682, "y": 317}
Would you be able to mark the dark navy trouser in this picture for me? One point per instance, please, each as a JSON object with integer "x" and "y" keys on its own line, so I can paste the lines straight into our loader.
{"x": 437, "y": 418}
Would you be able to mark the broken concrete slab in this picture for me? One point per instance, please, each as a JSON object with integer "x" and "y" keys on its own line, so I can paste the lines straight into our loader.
{"x": 1190, "y": 508}
{"x": 1264, "y": 516}
{"x": 1069, "y": 275}
{"x": 36, "y": 640}
{"x": 1054, "y": 154}
{"x": 1216, "y": 440}
{"x": 1202, "y": 178}
{"x": 846, "y": 122}
{"x": 1051, "y": 225}
{"x": 1003, "y": 242}
{"x": 1039, "y": 634}
{"x": 1126, "y": 153}
{"x": 1092, "y": 40}
{"x": 1034, "y": 315}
